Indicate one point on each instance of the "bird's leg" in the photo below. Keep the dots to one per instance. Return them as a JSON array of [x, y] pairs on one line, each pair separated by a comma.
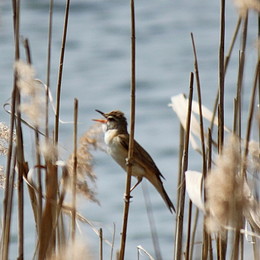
[[139, 179]]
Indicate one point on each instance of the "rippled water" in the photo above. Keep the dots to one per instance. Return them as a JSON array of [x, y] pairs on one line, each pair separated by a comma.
[[97, 72]]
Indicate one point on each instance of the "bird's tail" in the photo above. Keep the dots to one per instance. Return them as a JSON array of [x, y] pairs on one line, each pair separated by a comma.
[[159, 187]]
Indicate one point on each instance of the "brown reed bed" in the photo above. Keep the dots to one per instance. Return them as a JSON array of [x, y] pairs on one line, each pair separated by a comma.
[[225, 194]]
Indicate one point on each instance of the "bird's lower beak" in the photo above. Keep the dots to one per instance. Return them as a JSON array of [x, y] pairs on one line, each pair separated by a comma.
[[103, 121]]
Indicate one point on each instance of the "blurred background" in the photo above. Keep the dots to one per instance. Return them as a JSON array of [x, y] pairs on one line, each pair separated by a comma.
[[97, 72]]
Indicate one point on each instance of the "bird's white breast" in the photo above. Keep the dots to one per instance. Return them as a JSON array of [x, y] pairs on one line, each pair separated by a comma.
[[119, 153]]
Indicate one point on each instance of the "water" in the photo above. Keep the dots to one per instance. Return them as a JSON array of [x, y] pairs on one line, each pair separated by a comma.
[[97, 72]]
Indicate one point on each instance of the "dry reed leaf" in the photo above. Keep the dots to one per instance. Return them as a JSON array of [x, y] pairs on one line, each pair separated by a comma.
[[193, 181], [141, 250], [180, 107]]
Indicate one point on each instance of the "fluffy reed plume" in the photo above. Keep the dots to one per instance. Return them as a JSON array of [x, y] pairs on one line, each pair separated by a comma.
[[49, 150], [31, 91], [76, 251], [4, 138], [225, 189], [92, 138], [245, 5]]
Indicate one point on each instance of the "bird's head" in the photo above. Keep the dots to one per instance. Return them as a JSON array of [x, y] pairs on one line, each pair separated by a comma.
[[114, 120]]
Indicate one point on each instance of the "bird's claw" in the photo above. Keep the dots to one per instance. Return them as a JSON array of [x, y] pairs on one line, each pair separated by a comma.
[[127, 198], [128, 162]]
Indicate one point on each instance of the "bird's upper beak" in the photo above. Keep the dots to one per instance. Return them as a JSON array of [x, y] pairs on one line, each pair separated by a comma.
[[103, 121]]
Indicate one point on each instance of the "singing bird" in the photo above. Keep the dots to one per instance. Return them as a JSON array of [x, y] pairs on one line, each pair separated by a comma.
[[117, 141]]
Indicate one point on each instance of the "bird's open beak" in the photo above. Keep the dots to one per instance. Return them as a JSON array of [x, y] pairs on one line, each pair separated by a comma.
[[103, 121]]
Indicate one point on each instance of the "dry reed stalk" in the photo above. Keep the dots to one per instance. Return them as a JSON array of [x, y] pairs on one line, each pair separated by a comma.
[[101, 244], [21, 165], [60, 73], [130, 157], [210, 250], [74, 184], [221, 89], [49, 218], [8, 189], [181, 203], [221, 76], [48, 74], [149, 211], [37, 151], [241, 74], [227, 59], [187, 251], [5, 239], [250, 117], [204, 159]]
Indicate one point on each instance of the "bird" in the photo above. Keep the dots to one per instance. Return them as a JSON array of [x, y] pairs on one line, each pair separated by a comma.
[[116, 138]]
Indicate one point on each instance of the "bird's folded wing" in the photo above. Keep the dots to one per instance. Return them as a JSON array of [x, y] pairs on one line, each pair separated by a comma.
[[141, 157]]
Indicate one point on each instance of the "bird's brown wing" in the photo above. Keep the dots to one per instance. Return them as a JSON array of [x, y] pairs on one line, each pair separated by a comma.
[[152, 173], [142, 157]]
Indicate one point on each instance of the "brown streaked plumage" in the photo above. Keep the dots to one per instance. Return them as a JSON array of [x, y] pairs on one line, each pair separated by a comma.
[[117, 140]]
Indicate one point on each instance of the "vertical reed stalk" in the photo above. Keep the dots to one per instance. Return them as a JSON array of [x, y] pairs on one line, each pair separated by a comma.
[[210, 250], [8, 213], [227, 59], [75, 162], [60, 73], [131, 138], [221, 76], [187, 251], [149, 211], [50, 214], [196, 70], [250, 116], [38, 157], [19, 140], [241, 73], [101, 244], [48, 71], [193, 234], [181, 204], [204, 159]]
